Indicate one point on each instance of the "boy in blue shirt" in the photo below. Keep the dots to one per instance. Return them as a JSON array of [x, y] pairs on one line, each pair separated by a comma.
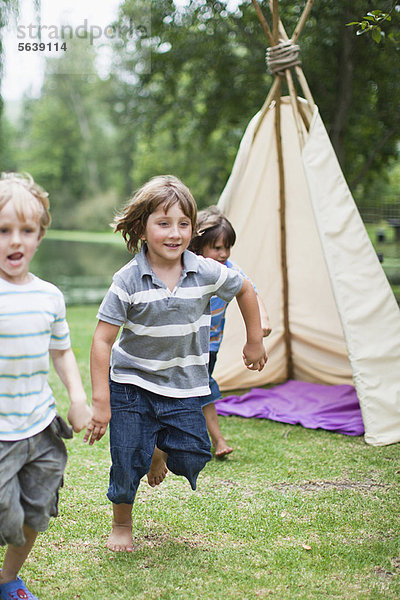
[[214, 239]]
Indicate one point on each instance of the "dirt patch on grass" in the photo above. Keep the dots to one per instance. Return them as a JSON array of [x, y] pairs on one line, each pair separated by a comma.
[[367, 485], [154, 540], [383, 574], [396, 564], [160, 537]]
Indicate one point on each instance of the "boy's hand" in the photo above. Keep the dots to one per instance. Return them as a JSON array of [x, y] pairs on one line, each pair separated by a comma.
[[266, 327], [254, 356], [98, 425], [79, 415]]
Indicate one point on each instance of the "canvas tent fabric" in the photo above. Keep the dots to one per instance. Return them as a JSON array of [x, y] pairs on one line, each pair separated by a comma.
[[344, 321]]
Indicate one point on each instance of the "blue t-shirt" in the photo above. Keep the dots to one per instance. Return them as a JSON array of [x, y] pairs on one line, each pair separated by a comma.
[[218, 308]]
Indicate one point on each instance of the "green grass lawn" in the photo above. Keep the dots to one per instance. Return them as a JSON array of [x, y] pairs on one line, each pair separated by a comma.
[[291, 514]]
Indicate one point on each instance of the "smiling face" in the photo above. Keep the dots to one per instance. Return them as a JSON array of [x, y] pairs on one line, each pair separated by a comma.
[[167, 235], [218, 251], [18, 242]]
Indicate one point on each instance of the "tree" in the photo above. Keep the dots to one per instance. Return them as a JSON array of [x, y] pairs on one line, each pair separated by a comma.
[[208, 77], [8, 8], [187, 115], [8, 135], [376, 22], [67, 140]]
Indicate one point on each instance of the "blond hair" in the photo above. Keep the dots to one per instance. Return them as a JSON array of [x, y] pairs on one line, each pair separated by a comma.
[[165, 190], [24, 193]]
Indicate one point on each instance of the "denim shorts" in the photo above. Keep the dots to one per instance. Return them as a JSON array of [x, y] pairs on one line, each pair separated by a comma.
[[31, 474], [214, 388], [140, 419]]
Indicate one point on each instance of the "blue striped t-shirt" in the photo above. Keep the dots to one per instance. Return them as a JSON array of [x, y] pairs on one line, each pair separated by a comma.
[[32, 321], [218, 310]]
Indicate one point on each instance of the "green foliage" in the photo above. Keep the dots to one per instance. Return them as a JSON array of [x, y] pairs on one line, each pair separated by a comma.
[[66, 135], [208, 77], [182, 92], [372, 23], [7, 145], [384, 190], [191, 109], [352, 82], [7, 8]]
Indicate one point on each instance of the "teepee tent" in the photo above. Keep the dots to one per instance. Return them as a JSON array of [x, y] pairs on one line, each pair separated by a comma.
[[302, 241]]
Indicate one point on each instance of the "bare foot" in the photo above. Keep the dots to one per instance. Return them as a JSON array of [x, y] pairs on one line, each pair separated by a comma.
[[222, 449], [120, 538], [158, 469]]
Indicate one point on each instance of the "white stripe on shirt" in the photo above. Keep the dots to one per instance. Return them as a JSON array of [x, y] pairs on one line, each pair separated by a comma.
[[153, 295], [170, 392], [175, 330], [160, 365]]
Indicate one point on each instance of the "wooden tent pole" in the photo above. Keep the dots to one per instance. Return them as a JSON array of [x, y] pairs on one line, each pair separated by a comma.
[[276, 92], [304, 113], [263, 22], [275, 22], [265, 106], [304, 87], [298, 70], [302, 21], [295, 108], [300, 25], [282, 32], [282, 213]]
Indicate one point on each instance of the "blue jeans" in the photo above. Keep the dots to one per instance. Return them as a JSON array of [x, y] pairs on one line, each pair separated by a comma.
[[140, 419], [214, 388]]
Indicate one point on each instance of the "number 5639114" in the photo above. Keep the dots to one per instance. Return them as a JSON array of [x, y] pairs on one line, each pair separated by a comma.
[[41, 46]]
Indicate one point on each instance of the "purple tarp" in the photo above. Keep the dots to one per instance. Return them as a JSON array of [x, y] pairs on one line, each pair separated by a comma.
[[332, 407]]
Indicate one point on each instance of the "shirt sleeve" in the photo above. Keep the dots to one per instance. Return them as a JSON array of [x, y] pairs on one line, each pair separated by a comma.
[[229, 283], [115, 305]]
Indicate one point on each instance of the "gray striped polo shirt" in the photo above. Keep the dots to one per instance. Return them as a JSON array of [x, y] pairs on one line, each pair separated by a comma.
[[164, 342]]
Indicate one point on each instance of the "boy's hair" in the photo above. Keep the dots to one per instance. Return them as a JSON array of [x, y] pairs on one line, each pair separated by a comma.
[[21, 189], [211, 225], [163, 189]]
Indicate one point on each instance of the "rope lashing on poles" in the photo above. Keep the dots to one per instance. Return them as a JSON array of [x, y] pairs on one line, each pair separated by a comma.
[[283, 56]]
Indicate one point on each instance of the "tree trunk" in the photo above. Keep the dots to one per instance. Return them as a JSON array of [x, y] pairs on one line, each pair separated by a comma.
[[344, 86], [84, 126]]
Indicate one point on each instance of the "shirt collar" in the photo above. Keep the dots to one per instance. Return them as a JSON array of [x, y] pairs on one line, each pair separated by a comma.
[[142, 262], [190, 262]]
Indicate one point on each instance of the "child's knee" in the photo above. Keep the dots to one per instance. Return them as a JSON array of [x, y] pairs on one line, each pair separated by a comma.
[[123, 485]]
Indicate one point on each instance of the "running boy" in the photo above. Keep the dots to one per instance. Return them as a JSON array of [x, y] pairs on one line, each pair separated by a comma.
[[32, 326], [159, 364], [214, 239]]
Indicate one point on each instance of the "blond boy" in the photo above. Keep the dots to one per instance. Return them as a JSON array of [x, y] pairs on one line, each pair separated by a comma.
[[32, 327]]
